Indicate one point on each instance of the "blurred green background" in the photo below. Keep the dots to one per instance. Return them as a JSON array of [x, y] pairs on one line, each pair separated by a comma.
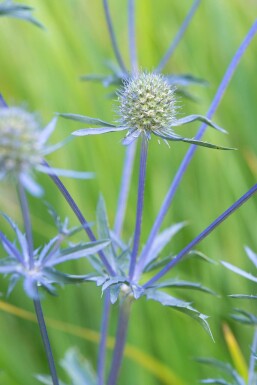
[[41, 68]]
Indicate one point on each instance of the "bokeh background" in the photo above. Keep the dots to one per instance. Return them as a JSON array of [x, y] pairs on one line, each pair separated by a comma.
[[41, 69]]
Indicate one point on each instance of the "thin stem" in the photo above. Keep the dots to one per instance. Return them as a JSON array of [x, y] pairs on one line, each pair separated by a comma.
[[113, 37], [79, 215], [104, 332], [251, 373], [132, 36], [178, 37], [140, 204], [124, 189], [46, 342], [2, 102], [203, 235], [120, 341], [182, 169], [37, 304], [27, 223]]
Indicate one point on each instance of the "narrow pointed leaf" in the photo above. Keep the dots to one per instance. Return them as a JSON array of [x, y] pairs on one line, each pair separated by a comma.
[[218, 381], [97, 131], [55, 276], [201, 118], [161, 241], [47, 380], [30, 185], [251, 255], [131, 137], [10, 248], [223, 366], [244, 317], [65, 173], [177, 138], [182, 306], [87, 120], [243, 296], [21, 237], [114, 292], [47, 131], [78, 369], [185, 80], [239, 271], [76, 252], [184, 285]]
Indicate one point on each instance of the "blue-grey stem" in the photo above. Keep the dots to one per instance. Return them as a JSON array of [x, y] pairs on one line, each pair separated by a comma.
[[103, 339], [113, 37], [182, 169], [125, 186], [79, 215], [178, 37], [120, 341], [37, 304], [251, 372], [27, 223], [46, 342], [2, 102], [203, 235], [132, 36], [140, 204]]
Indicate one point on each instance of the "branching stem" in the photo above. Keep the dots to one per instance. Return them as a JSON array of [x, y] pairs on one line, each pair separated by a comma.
[[178, 37], [120, 341], [203, 235], [103, 339], [113, 37], [79, 215]]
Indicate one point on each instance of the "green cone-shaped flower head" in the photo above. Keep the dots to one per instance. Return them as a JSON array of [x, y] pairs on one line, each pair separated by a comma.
[[19, 144], [147, 103]]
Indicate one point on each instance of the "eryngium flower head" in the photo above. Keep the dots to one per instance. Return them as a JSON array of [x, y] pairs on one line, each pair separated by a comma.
[[23, 146], [20, 148], [147, 103]]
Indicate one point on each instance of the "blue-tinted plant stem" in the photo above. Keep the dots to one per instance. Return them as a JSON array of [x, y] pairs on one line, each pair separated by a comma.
[[103, 339], [120, 341], [27, 223], [182, 169], [46, 342], [251, 373], [2, 102], [140, 204], [113, 37], [79, 215], [178, 37], [124, 189], [37, 304], [203, 235], [132, 36]]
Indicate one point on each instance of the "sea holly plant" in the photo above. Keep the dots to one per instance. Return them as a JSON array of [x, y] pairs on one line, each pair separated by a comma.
[[123, 269]]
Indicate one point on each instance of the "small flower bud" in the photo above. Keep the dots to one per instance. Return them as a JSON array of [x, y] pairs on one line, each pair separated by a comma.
[[147, 103]]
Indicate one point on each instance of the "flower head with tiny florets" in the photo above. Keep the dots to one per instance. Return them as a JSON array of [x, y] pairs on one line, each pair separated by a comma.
[[147, 103], [20, 148], [23, 146]]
